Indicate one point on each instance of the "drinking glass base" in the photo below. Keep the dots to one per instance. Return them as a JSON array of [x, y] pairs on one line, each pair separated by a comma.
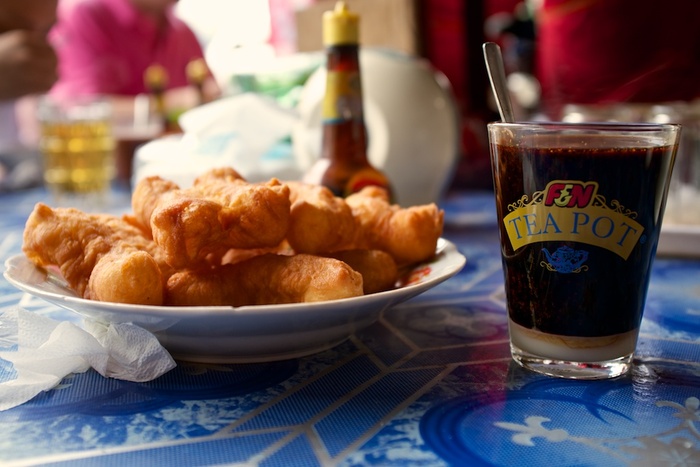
[[572, 370]]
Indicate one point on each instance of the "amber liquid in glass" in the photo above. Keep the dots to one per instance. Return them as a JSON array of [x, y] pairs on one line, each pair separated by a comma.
[[78, 156]]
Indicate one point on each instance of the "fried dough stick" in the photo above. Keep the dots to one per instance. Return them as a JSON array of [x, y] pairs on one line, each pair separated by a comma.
[[101, 257], [320, 222], [268, 279], [197, 226], [125, 228], [146, 197], [409, 235], [220, 183], [378, 269]]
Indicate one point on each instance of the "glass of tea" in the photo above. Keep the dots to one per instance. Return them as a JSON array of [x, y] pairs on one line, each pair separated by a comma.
[[77, 146], [580, 207]]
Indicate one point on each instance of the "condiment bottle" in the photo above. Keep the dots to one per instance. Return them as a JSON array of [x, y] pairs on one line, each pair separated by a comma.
[[197, 72], [156, 80], [343, 166]]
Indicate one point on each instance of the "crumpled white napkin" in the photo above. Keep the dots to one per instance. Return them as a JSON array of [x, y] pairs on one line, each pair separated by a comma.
[[244, 131], [49, 350]]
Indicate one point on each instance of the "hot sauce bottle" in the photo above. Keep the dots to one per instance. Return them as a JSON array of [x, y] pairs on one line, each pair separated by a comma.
[[343, 166]]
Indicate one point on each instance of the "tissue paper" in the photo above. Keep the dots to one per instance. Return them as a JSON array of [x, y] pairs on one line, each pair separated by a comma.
[[246, 132], [48, 350]]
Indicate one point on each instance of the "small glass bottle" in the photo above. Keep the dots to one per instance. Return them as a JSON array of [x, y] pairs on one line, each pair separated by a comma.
[[197, 72], [343, 166], [156, 79]]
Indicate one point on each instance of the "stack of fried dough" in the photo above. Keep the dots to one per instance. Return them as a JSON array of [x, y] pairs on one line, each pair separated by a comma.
[[226, 241]]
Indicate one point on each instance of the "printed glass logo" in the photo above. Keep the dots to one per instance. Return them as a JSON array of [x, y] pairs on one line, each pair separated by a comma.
[[571, 210], [570, 195]]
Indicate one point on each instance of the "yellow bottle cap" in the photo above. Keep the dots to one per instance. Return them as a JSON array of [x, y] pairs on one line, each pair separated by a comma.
[[340, 26]]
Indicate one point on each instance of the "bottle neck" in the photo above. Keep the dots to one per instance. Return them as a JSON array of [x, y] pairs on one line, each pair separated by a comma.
[[343, 98], [343, 56], [344, 133]]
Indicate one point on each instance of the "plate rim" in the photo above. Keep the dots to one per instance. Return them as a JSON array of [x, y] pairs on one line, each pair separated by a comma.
[[174, 327], [163, 311]]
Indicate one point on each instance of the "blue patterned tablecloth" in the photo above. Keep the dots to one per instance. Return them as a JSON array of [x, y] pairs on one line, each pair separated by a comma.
[[430, 384]]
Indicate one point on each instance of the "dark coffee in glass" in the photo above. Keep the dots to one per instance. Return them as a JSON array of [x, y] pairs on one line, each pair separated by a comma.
[[581, 207]]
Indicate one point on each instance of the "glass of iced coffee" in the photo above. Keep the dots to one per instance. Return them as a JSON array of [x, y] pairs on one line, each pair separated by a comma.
[[580, 207]]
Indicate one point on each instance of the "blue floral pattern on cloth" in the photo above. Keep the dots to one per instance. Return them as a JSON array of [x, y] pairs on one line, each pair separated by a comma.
[[545, 421], [430, 384]]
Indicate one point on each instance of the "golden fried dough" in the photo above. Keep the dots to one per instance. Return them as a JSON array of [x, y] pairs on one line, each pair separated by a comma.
[[409, 235], [197, 226], [146, 196], [217, 178], [378, 269], [101, 257], [126, 277], [237, 255], [225, 241], [267, 279], [320, 222]]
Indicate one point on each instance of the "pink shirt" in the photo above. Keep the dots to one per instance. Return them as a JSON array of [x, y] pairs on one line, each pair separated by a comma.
[[105, 46]]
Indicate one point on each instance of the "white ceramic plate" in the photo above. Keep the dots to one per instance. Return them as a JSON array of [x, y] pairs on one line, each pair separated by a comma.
[[244, 334]]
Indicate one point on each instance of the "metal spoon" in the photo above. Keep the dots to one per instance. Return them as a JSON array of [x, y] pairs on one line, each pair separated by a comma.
[[497, 76]]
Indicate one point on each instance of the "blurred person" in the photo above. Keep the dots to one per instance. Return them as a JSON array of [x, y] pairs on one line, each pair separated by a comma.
[[613, 51], [28, 66], [106, 46], [27, 61]]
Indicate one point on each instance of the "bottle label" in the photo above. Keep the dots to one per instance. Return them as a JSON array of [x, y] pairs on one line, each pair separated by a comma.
[[572, 210], [364, 178], [343, 98]]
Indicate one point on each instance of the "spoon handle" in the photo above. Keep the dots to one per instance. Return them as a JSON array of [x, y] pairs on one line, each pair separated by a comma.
[[497, 76]]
